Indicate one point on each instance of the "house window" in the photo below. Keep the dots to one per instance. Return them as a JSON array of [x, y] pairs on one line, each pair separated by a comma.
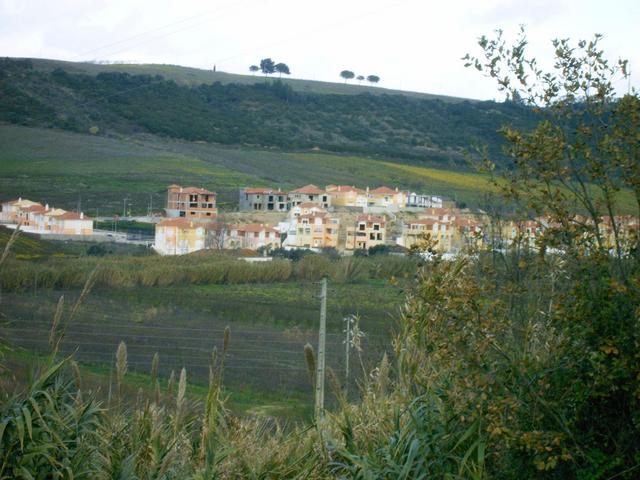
[[271, 198], [208, 214], [372, 236], [311, 197], [324, 198], [193, 213], [182, 214], [376, 226], [379, 236], [269, 206], [361, 226]]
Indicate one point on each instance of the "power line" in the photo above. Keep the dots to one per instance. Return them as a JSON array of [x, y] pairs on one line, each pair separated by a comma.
[[200, 15], [167, 356], [118, 337], [326, 27], [78, 323], [46, 328]]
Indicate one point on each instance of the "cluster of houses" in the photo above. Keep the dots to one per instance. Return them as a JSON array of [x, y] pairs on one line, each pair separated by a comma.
[[310, 221], [377, 200], [34, 217]]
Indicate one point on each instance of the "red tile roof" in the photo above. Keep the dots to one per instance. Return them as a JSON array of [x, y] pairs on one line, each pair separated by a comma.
[[309, 189], [34, 208], [384, 191], [71, 216], [344, 188], [439, 211], [201, 191], [371, 219], [423, 221], [255, 227], [256, 190]]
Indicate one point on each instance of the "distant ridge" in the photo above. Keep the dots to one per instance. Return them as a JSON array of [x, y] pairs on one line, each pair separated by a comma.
[[243, 110], [197, 76]]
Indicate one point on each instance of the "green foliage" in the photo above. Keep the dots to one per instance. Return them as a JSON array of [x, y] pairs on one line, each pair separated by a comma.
[[282, 68], [49, 430], [201, 268], [267, 66], [347, 75], [261, 114]]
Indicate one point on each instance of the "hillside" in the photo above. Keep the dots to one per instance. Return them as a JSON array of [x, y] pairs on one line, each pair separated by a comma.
[[63, 168], [196, 76], [266, 113]]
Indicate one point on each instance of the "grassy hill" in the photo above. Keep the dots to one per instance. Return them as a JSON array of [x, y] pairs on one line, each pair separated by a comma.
[[196, 76], [251, 111], [62, 168]]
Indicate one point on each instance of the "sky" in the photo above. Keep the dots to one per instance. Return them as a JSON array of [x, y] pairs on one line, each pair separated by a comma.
[[412, 45]]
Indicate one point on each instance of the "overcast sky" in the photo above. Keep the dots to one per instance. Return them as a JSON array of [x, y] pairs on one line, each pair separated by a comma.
[[410, 44]]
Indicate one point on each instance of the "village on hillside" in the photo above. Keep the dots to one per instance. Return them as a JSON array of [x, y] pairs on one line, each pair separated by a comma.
[[339, 217]]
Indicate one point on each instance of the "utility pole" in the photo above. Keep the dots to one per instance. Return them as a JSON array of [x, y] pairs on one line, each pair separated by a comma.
[[322, 335], [124, 207], [346, 358]]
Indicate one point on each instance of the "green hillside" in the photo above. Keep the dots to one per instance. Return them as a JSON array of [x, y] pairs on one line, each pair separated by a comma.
[[266, 113], [62, 167], [197, 76]]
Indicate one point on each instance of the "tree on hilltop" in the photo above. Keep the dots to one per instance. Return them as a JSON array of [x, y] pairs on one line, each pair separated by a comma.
[[254, 68], [360, 78], [347, 75], [373, 79], [267, 66], [282, 68]]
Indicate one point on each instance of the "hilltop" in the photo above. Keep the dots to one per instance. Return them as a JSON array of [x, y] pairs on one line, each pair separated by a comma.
[[197, 105], [196, 76]]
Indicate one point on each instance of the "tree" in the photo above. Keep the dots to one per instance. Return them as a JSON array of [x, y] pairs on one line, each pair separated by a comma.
[[360, 78], [567, 172], [217, 234], [347, 75], [267, 66], [373, 79], [254, 68], [282, 68]]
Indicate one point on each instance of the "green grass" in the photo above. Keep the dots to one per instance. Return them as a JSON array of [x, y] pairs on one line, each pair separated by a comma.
[[196, 76], [292, 406], [29, 247], [62, 168]]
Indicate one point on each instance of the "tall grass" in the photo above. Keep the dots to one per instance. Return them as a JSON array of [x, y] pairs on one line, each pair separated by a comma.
[[116, 272]]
